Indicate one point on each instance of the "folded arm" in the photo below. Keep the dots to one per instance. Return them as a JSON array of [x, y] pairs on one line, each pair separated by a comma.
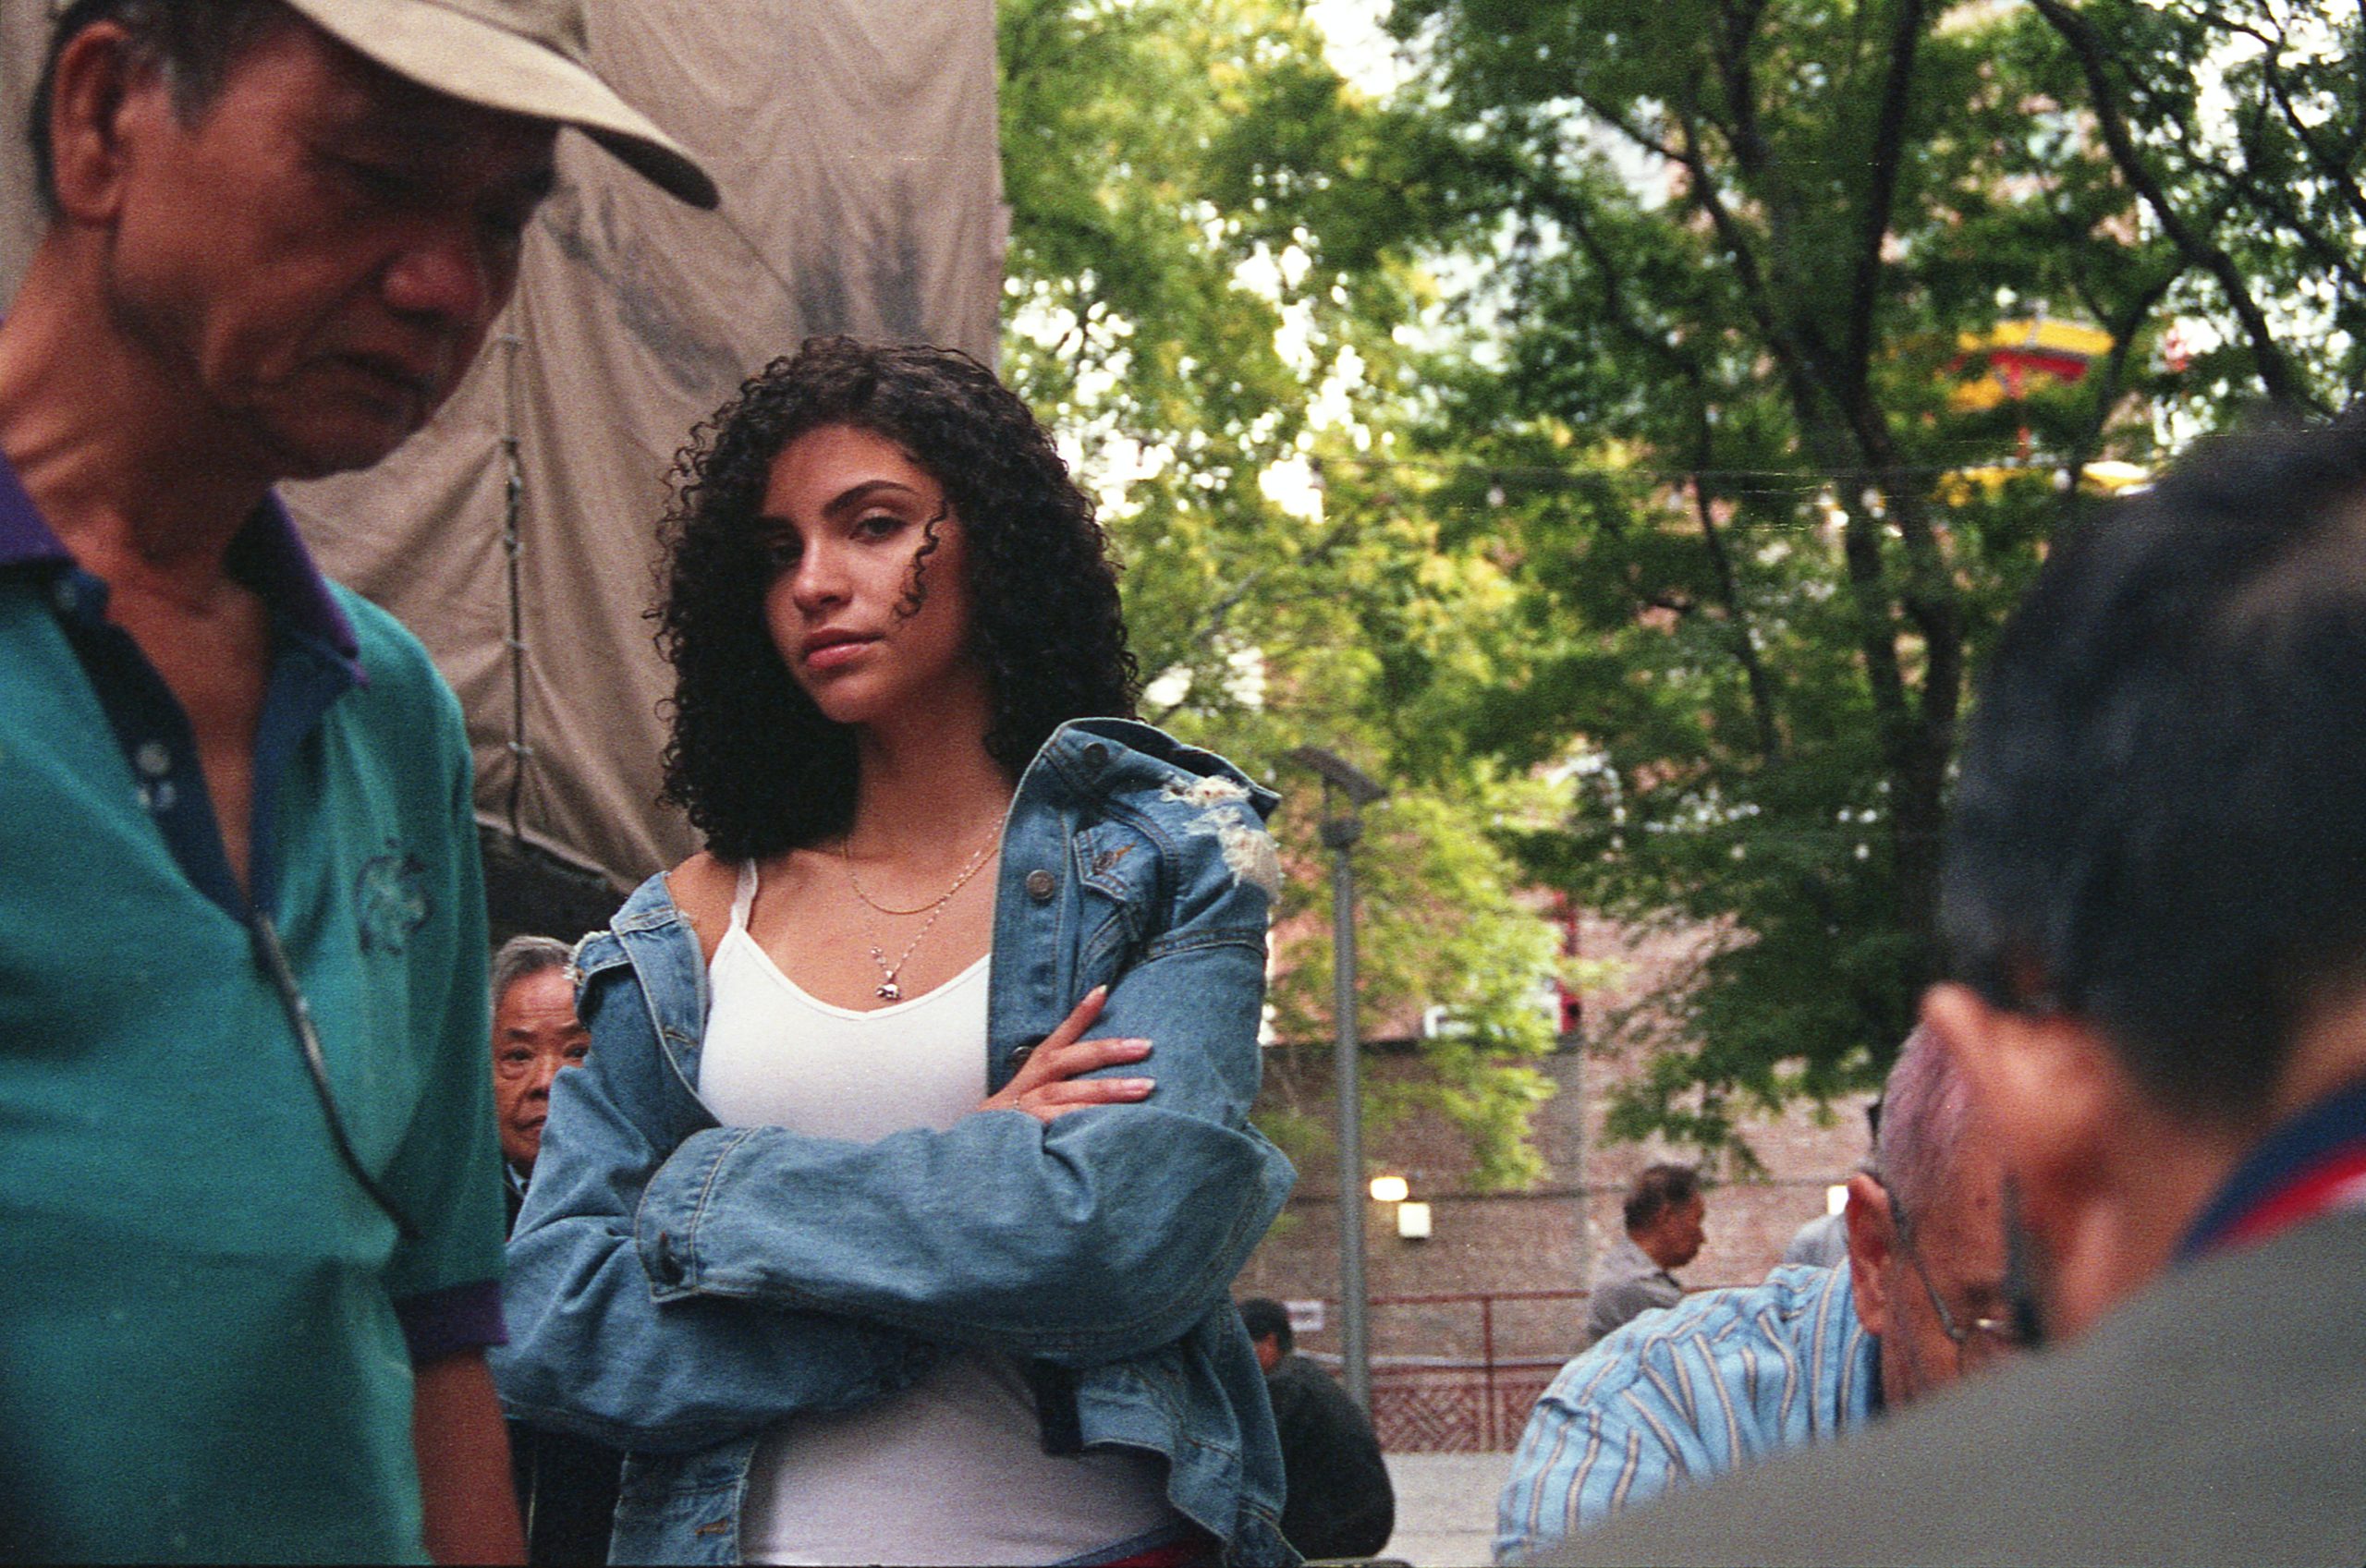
[[1100, 1235], [592, 1349]]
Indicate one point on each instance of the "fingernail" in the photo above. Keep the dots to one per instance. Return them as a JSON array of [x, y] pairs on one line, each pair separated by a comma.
[[1138, 1086], [1096, 993], [1141, 1045]]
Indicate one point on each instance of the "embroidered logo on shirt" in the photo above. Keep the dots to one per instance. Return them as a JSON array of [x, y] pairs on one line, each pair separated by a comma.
[[390, 899]]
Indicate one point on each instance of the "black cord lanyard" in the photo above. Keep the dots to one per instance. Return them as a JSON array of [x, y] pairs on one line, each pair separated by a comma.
[[273, 959]]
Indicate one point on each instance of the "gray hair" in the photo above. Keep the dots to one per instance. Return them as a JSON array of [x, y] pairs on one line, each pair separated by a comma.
[[523, 955], [1925, 1113], [193, 44]]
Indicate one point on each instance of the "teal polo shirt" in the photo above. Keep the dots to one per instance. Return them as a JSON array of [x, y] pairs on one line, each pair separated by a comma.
[[207, 1326]]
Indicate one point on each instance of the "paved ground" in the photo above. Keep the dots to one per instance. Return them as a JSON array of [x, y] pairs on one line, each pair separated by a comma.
[[1446, 1507]]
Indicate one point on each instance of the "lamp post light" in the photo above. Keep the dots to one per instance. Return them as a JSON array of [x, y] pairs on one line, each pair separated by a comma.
[[1341, 828]]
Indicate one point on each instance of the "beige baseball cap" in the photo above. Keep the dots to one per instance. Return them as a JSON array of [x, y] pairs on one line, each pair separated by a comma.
[[525, 56]]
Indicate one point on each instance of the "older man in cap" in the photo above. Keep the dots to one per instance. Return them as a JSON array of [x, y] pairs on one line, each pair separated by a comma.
[[252, 1174]]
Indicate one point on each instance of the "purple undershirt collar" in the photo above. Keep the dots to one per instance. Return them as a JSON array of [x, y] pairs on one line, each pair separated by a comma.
[[268, 555]]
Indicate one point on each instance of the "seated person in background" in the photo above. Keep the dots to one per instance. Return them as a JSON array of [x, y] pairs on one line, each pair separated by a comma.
[[1337, 1498], [1663, 1216], [2152, 911], [566, 1484], [1729, 1376]]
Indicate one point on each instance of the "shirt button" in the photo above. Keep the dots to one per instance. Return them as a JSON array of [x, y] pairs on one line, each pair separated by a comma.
[[153, 758], [1040, 885]]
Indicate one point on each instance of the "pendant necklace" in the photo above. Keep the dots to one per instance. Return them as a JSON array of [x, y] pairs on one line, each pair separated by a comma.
[[888, 988]]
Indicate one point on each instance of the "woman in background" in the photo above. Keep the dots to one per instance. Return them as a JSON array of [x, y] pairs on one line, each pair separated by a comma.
[[845, 1229]]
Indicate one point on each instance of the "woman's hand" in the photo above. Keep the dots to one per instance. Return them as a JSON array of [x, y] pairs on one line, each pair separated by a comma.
[[1049, 1085]]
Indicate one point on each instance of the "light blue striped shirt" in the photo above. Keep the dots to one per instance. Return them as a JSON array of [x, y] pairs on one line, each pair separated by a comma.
[[1689, 1392]]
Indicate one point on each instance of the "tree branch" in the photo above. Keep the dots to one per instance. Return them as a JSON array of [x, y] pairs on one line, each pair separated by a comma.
[[1889, 152], [1799, 357], [1739, 20], [1753, 668], [2276, 372]]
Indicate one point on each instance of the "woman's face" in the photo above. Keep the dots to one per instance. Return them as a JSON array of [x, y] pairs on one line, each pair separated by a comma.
[[845, 516]]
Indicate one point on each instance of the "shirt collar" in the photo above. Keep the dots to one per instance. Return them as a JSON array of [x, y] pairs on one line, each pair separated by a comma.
[[1629, 1259], [268, 555], [2312, 1163], [24, 536]]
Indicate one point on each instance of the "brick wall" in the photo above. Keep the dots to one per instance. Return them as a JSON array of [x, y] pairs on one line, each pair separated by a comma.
[[1542, 1239]]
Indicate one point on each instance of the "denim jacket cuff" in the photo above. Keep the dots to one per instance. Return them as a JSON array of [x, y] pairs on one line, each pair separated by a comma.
[[665, 1228]]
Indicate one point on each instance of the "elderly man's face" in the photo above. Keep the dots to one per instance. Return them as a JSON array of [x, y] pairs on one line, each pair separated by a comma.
[[314, 262], [1945, 1273], [535, 1033]]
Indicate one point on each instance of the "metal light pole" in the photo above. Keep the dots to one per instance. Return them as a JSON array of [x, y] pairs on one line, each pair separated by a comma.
[[1341, 829]]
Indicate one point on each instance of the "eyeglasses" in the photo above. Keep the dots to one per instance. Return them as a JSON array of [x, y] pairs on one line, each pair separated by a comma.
[[1975, 1339]]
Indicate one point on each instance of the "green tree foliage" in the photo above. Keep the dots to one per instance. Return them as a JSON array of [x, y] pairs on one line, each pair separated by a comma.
[[1194, 312], [2240, 125], [1707, 409], [1665, 522]]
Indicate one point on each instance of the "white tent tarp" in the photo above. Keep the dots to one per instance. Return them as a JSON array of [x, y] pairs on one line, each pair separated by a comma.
[[856, 145]]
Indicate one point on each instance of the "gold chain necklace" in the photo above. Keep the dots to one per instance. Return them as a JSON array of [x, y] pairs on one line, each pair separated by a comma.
[[968, 869], [889, 988]]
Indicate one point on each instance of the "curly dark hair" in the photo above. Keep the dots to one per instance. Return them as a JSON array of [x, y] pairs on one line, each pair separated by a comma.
[[753, 760]]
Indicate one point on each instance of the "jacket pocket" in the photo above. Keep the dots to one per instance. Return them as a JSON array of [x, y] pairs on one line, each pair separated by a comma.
[[1116, 875], [682, 1508]]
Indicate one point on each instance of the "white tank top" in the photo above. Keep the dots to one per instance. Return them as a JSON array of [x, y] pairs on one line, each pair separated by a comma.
[[950, 1470]]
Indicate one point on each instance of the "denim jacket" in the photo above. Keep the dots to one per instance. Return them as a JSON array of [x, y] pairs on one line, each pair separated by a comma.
[[676, 1286]]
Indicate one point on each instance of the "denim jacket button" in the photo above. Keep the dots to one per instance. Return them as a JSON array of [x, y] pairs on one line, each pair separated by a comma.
[[1096, 756], [1020, 1053], [1040, 885]]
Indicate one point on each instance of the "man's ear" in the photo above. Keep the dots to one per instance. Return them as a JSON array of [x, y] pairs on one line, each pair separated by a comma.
[[98, 89], [2049, 1089], [1872, 1237]]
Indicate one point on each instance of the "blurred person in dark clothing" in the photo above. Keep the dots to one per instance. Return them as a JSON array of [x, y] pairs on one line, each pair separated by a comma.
[[566, 1484], [1340, 1502]]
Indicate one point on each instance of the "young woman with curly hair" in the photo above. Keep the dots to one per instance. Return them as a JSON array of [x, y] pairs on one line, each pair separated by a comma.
[[845, 1229]]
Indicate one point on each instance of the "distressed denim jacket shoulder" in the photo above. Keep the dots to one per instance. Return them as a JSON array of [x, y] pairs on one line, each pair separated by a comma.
[[676, 1286]]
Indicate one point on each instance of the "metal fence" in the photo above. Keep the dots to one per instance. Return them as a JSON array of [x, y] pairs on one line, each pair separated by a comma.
[[1456, 1409], [1475, 1398]]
